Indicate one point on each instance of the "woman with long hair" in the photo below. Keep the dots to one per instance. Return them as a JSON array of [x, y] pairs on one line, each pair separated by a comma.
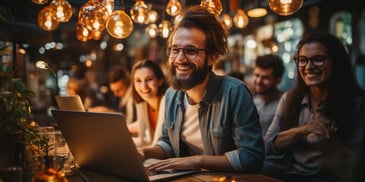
[[314, 123], [148, 89]]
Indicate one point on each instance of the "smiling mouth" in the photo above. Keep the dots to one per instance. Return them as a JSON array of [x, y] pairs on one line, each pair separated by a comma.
[[312, 74], [183, 67]]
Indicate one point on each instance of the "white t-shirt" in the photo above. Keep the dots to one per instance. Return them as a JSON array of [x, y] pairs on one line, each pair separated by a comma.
[[191, 134]]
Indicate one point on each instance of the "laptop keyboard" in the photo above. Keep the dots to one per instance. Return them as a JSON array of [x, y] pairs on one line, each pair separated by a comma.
[[152, 172]]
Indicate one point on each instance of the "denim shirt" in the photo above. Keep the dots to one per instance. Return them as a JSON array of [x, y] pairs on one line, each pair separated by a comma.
[[228, 120]]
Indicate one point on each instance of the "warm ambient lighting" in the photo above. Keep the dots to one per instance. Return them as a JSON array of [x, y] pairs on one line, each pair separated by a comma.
[[62, 10], [255, 9], [165, 29], [46, 19], [82, 33], [285, 7], [44, 66], [139, 12], [40, 1], [93, 15], [213, 6], [240, 20], [152, 30], [256, 12], [152, 16], [119, 25], [173, 7], [227, 21]]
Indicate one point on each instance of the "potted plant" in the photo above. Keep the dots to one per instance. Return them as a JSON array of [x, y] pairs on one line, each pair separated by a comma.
[[15, 117]]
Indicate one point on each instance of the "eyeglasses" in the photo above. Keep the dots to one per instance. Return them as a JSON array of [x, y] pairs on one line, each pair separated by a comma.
[[317, 60], [190, 52]]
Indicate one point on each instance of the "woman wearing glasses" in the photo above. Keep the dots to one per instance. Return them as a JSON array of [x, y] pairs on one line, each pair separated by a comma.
[[314, 122], [148, 90]]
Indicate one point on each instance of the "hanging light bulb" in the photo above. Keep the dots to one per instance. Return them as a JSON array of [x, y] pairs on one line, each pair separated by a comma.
[[240, 20], [62, 9], [285, 7], [109, 5], [173, 7], [93, 15], [152, 30], [96, 35], [165, 29], [257, 12], [119, 25], [46, 19], [255, 9], [226, 20], [139, 12], [152, 16], [213, 6], [40, 1], [82, 33]]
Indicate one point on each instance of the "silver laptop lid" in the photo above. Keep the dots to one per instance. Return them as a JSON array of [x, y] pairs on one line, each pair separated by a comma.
[[101, 142]]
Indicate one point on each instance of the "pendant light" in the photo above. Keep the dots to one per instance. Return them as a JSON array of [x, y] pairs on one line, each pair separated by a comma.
[[173, 7], [139, 12], [152, 30], [46, 19], [240, 20], [40, 1], [285, 7], [119, 25], [62, 9], [93, 15], [213, 6], [256, 10], [225, 18]]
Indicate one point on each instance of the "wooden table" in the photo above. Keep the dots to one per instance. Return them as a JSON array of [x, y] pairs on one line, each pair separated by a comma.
[[204, 176], [225, 177]]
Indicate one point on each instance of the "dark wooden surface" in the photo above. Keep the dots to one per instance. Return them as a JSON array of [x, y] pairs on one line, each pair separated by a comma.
[[196, 177]]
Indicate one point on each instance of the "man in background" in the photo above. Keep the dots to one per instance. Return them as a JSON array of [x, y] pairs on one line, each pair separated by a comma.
[[267, 75], [120, 85]]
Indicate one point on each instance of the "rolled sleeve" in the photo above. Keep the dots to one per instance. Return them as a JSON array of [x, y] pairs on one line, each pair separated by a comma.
[[166, 147], [234, 159]]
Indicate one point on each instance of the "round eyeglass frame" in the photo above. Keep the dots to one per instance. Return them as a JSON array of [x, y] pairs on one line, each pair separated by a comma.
[[317, 60], [184, 50]]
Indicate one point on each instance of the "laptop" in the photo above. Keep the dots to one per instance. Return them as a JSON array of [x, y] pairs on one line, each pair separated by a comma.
[[71, 102], [101, 142]]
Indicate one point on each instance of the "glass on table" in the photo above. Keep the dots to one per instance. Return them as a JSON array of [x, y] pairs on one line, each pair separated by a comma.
[[64, 160]]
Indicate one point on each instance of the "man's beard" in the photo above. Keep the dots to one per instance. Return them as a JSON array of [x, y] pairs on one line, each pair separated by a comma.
[[196, 77], [265, 91]]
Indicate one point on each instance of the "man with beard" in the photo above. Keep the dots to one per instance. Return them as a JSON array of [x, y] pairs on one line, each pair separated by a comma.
[[210, 121], [267, 76]]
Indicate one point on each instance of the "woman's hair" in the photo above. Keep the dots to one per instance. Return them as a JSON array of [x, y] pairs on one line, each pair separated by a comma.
[[155, 67], [342, 85], [202, 19]]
